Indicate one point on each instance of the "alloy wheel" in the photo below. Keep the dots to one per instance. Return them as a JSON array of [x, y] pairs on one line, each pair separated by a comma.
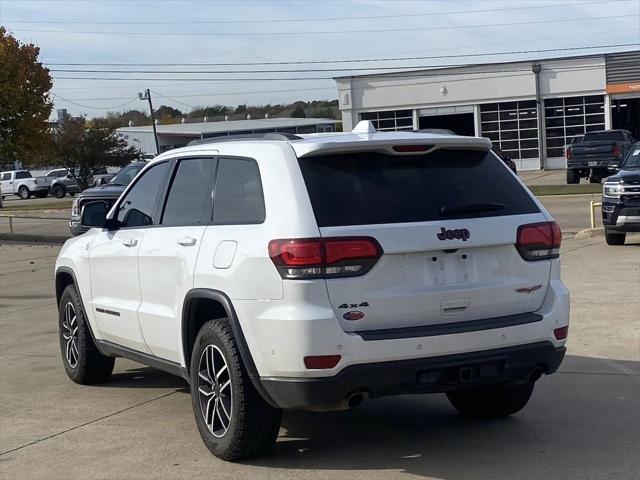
[[70, 334], [215, 391]]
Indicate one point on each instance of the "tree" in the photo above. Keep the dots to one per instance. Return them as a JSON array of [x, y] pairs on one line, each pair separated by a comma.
[[83, 151], [113, 120], [166, 112], [25, 105], [298, 112], [210, 111]]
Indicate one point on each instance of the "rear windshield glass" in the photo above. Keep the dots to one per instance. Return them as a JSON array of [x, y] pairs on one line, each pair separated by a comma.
[[375, 188], [604, 136]]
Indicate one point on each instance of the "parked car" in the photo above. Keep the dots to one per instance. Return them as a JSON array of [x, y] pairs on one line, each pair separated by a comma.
[[598, 155], [107, 193], [621, 200], [66, 183], [505, 158], [315, 272], [22, 184]]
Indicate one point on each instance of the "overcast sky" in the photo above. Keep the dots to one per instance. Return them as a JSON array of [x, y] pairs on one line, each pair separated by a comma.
[[182, 32]]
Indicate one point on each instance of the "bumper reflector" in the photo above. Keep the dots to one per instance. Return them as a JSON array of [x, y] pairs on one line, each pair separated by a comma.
[[321, 361], [561, 333]]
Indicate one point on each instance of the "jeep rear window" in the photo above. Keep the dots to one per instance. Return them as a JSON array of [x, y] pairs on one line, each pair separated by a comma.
[[375, 188], [604, 137]]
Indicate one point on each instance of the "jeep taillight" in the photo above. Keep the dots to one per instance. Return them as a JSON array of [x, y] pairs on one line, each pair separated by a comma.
[[568, 153], [306, 258], [539, 241]]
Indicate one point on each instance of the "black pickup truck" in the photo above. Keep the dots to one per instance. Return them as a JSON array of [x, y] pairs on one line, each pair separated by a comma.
[[598, 155], [621, 200]]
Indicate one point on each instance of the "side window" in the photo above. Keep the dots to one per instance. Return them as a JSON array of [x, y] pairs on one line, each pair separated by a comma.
[[189, 199], [20, 175], [238, 193], [136, 208], [6, 176]]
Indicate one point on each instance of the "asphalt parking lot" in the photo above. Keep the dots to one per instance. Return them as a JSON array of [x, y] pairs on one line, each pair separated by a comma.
[[581, 423]]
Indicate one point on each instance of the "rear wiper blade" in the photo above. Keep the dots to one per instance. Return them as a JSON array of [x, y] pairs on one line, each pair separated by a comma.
[[470, 207]]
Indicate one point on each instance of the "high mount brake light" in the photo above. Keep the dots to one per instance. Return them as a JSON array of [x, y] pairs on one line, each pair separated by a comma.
[[411, 148], [306, 258], [539, 241]]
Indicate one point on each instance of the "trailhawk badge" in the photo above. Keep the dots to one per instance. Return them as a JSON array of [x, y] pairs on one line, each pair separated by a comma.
[[459, 233]]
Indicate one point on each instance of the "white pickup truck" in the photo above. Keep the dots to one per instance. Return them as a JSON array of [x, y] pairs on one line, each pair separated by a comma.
[[22, 184]]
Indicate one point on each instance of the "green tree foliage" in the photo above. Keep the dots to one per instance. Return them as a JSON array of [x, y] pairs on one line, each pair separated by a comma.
[[84, 150], [114, 120], [298, 112], [25, 105], [210, 111], [165, 112]]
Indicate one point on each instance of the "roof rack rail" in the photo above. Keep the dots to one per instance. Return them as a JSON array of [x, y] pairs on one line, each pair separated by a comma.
[[247, 136]]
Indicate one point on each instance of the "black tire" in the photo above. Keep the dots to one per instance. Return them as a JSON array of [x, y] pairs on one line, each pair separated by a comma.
[[85, 364], [595, 178], [252, 425], [492, 401], [614, 238], [58, 191], [23, 192], [71, 194], [43, 194], [573, 176]]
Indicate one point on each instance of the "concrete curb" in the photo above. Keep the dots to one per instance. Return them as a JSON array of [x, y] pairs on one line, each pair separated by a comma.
[[589, 233], [25, 237]]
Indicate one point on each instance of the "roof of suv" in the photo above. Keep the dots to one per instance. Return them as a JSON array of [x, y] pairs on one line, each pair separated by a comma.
[[319, 143]]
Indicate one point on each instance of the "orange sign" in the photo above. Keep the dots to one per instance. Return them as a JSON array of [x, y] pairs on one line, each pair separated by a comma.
[[624, 88]]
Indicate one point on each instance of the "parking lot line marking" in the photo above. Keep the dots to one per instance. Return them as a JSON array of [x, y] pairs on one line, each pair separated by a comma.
[[57, 434]]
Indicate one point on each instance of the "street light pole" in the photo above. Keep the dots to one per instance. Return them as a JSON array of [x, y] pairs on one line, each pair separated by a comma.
[[147, 96]]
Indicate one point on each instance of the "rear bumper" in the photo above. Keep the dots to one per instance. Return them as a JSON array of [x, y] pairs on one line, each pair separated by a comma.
[[612, 164], [423, 375]]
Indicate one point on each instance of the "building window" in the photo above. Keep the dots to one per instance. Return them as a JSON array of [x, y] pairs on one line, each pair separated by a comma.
[[512, 126], [570, 117], [393, 120]]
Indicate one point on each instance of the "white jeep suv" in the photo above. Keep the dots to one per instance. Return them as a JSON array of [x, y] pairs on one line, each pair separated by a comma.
[[286, 272]]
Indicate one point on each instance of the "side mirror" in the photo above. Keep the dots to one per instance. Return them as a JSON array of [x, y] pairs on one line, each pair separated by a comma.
[[94, 214]]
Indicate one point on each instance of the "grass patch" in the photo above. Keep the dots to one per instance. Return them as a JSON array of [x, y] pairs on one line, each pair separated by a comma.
[[21, 207], [586, 188]]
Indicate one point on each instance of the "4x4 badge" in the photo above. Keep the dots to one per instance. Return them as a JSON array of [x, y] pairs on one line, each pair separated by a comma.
[[459, 233]]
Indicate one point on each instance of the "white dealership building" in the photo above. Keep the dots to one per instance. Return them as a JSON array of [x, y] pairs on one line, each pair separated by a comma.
[[530, 109]]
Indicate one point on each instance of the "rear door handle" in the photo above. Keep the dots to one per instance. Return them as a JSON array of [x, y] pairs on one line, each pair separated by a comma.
[[187, 241], [130, 242]]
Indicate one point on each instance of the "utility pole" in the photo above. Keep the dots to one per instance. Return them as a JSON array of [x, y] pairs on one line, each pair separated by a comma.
[[535, 68], [147, 96]]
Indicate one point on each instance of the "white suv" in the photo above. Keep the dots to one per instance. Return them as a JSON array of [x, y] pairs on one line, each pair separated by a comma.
[[286, 272]]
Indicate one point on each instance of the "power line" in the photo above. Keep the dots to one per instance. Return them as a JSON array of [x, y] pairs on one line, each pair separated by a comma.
[[355, 60], [326, 32], [401, 74], [94, 107], [214, 94], [301, 20], [555, 37], [300, 70]]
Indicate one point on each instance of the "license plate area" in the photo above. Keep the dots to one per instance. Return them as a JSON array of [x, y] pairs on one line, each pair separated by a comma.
[[451, 268], [592, 164]]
